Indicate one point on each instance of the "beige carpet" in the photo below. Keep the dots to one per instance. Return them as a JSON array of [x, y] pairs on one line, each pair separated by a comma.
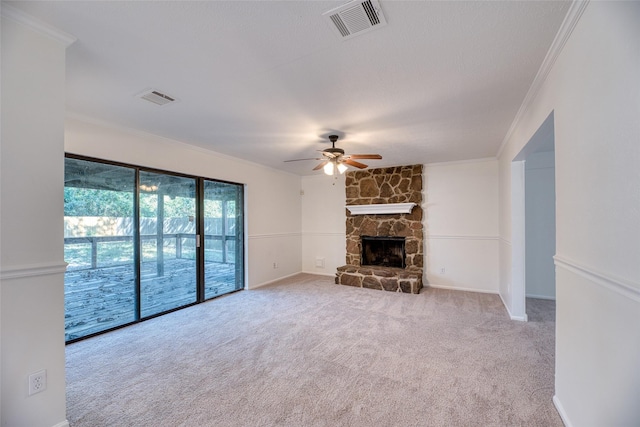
[[306, 352]]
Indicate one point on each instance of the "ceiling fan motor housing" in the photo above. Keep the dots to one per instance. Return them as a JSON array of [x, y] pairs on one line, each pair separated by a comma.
[[334, 157], [334, 151]]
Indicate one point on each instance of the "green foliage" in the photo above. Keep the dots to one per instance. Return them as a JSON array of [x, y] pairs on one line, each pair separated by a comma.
[[176, 207], [92, 202]]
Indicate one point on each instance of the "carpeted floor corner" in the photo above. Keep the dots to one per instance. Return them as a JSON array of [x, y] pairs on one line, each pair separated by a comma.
[[306, 352]]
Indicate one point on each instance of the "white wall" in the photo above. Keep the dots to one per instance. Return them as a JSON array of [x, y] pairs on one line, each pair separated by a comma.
[[460, 202], [540, 225], [594, 92], [31, 226], [323, 223], [272, 197]]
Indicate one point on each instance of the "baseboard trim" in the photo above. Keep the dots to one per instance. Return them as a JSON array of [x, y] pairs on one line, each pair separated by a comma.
[[456, 288], [272, 281], [43, 269], [511, 316], [64, 423], [561, 411], [625, 288], [541, 297], [319, 274]]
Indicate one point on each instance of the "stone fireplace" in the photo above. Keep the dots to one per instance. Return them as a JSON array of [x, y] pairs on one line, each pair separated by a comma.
[[384, 229]]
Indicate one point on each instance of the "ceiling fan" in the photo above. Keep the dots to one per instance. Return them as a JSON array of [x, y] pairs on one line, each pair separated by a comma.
[[334, 159]]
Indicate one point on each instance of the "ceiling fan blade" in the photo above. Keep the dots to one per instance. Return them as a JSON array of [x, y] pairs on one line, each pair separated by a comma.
[[327, 154], [298, 160], [354, 163], [321, 165], [366, 156]]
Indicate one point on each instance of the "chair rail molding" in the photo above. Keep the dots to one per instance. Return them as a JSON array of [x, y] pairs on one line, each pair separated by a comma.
[[273, 235], [620, 286], [31, 270], [459, 237]]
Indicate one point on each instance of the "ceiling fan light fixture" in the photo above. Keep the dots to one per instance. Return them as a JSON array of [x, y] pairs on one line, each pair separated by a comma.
[[334, 160], [328, 168]]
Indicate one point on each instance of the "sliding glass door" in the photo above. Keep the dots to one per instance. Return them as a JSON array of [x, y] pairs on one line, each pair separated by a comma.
[[144, 242], [223, 225], [100, 281], [167, 241]]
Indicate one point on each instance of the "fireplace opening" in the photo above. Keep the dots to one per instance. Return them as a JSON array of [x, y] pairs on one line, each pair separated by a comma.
[[383, 251]]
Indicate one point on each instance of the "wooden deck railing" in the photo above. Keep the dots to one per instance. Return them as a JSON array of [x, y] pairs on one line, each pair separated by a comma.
[[94, 240]]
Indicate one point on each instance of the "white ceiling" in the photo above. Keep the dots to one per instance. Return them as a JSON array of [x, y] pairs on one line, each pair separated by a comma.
[[267, 81]]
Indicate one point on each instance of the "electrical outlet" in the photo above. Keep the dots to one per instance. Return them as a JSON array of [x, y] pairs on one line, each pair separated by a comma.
[[275, 265], [441, 270], [37, 382], [320, 262]]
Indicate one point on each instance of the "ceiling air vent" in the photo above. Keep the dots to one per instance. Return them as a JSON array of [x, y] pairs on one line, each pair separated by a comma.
[[355, 18], [156, 97]]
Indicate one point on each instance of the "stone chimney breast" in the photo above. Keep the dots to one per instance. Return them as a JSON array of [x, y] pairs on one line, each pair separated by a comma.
[[400, 184]]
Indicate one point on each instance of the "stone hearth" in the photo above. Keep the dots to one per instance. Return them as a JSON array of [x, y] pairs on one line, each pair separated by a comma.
[[401, 184], [382, 278]]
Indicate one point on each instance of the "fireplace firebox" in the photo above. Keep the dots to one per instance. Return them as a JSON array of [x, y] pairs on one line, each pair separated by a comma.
[[383, 251]]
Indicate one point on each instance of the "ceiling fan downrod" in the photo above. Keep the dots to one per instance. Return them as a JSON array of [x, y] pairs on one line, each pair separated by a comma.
[[335, 152]]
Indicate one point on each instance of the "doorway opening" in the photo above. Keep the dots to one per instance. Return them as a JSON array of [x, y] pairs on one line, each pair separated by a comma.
[[533, 213]]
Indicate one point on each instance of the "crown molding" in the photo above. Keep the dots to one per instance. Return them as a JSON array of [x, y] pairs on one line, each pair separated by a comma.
[[17, 15], [566, 28], [187, 145], [460, 162]]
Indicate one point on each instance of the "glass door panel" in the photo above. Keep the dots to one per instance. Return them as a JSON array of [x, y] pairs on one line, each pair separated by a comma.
[[99, 284], [168, 277], [223, 238], [138, 245]]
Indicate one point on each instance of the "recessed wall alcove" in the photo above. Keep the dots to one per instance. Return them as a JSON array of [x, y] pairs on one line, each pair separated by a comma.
[[383, 186]]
